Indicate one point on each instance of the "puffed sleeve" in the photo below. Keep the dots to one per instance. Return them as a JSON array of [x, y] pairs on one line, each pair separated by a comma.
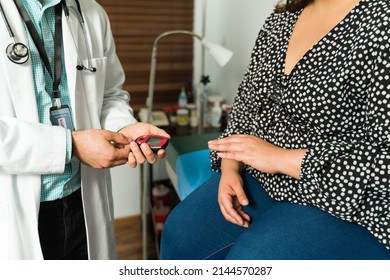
[[351, 179]]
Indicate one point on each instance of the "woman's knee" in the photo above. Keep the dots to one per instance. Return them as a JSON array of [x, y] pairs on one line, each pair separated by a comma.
[[171, 235], [185, 221]]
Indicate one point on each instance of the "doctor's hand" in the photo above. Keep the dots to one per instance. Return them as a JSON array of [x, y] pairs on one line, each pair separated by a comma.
[[143, 153], [100, 148]]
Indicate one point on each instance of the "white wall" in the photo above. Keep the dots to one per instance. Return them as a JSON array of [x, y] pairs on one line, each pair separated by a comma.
[[126, 191], [126, 184], [231, 23]]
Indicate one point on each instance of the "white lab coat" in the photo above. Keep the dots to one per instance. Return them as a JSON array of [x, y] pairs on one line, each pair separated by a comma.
[[29, 149]]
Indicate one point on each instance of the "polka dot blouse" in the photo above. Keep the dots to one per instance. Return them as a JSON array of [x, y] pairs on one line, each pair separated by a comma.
[[336, 104]]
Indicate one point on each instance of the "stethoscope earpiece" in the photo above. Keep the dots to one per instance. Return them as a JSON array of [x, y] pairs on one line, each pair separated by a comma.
[[17, 52]]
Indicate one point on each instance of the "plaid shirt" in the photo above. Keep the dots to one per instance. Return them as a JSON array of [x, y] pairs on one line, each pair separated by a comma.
[[54, 186]]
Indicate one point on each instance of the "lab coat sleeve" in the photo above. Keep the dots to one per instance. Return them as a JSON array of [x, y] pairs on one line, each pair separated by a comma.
[[31, 148]]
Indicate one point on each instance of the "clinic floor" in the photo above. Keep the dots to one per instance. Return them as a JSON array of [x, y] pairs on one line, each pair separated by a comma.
[[129, 239]]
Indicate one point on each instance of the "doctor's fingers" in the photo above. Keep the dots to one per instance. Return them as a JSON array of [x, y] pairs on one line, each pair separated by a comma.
[[143, 153], [161, 153], [151, 157], [114, 156], [121, 157], [118, 139], [158, 131], [132, 161], [119, 153]]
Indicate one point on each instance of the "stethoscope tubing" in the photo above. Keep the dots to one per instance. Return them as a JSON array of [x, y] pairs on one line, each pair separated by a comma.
[[14, 48], [80, 18], [16, 52], [7, 25]]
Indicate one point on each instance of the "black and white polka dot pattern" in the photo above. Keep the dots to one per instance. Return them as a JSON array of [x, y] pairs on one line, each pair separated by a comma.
[[335, 103]]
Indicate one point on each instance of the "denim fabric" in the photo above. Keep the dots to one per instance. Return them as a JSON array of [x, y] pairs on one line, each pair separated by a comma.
[[62, 228], [196, 229]]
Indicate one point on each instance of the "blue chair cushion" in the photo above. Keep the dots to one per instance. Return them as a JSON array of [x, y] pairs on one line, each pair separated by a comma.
[[192, 170]]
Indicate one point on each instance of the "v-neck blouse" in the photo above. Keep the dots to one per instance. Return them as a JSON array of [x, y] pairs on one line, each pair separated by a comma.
[[335, 103]]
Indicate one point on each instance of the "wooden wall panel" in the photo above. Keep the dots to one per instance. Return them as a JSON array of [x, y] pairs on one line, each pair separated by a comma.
[[135, 25]]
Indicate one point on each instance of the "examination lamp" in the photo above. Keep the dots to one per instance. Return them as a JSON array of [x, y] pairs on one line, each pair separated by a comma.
[[220, 54]]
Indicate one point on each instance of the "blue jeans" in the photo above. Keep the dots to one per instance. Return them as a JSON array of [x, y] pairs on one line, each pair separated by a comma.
[[196, 229]]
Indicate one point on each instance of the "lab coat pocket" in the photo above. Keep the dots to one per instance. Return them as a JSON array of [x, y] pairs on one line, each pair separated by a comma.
[[90, 93], [94, 82], [4, 230]]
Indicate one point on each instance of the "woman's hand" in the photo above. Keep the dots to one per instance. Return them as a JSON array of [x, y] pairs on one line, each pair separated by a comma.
[[259, 154], [142, 153], [231, 195], [248, 149]]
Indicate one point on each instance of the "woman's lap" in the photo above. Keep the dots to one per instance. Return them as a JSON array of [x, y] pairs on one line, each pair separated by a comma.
[[294, 232], [196, 229]]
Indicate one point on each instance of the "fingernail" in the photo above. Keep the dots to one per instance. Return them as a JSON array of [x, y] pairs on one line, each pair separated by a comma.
[[244, 202], [133, 144]]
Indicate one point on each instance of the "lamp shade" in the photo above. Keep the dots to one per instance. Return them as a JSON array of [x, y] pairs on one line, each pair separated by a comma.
[[220, 54]]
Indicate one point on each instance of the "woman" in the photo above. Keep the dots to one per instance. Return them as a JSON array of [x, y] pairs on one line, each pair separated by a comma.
[[305, 159]]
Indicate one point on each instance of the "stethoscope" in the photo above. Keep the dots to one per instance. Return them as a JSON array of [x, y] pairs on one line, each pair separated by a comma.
[[18, 52]]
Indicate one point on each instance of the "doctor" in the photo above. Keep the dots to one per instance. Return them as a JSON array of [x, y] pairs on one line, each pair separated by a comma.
[[64, 119]]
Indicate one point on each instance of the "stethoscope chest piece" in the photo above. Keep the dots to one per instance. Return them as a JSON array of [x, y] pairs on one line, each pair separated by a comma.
[[17, 53]]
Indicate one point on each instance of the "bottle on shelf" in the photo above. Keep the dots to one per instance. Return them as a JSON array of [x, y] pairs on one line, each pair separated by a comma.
[[183, 99], [215, 111], [193, 114], [182, 117], [216, 114]]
